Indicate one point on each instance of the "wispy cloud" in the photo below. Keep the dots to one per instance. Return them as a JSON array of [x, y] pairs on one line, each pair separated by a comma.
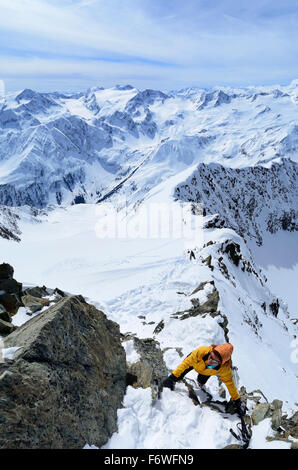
[[147, 42]]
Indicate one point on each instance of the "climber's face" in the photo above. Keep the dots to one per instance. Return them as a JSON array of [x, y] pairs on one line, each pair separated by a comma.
[[213, 360]]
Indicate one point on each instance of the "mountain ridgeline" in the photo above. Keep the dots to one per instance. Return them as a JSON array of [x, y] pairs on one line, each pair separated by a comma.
[[60, 149]]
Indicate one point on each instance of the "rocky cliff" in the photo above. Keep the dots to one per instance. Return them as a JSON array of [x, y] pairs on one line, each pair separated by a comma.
[[66, 380]]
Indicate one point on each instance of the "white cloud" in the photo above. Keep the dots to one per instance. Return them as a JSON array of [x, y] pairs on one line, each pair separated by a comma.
[[167, 41]]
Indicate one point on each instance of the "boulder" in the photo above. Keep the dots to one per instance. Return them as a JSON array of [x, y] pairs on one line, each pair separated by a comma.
[[10, 289], [260, 412], [276, 407], [6, 327], [276, 418], [34, 303], [4, 315], [277, 404], [11, 303], [150, 370], [59, 292], [36, 291], [6, 271], [10, 286], [66, 382]]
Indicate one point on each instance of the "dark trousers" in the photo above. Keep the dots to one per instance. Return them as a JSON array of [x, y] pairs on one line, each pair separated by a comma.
[[202, 379]]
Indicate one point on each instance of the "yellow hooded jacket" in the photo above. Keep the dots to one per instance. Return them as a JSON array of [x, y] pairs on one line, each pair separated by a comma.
[[195, 361]]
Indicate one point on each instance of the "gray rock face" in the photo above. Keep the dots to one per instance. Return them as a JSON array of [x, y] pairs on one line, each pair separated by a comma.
[[66, 382], [150, 370]]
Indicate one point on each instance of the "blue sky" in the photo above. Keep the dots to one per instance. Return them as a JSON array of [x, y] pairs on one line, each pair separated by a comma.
[[166, 44]]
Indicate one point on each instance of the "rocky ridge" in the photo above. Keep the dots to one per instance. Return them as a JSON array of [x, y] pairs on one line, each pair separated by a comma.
[[251, 201], [63, 379]]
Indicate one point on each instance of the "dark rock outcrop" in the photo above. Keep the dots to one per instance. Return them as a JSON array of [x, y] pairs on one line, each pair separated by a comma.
[[10, 289], [66, 381], [233, 251], [9, 228], [208, 307], [274, 307]]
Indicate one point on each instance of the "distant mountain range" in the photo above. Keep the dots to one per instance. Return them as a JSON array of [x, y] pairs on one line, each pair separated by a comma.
[[58, 148]]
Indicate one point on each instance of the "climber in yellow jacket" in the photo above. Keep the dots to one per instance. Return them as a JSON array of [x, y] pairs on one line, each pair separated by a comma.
[[208, 361]]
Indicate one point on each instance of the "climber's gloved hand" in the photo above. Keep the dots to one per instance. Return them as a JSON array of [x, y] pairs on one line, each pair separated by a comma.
[[169, 382], [240, 407]]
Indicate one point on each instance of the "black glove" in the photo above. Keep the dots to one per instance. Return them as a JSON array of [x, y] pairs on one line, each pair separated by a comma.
[[170, 382], [240, 407]]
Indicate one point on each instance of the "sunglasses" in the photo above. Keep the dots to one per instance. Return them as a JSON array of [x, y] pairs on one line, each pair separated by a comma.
[[213, 361]]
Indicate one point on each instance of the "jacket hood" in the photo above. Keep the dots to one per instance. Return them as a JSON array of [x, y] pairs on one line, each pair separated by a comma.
[[225, 351]]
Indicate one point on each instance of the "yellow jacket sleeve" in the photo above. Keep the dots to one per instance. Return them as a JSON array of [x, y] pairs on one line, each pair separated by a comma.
[[226, 376], [191, 360]]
